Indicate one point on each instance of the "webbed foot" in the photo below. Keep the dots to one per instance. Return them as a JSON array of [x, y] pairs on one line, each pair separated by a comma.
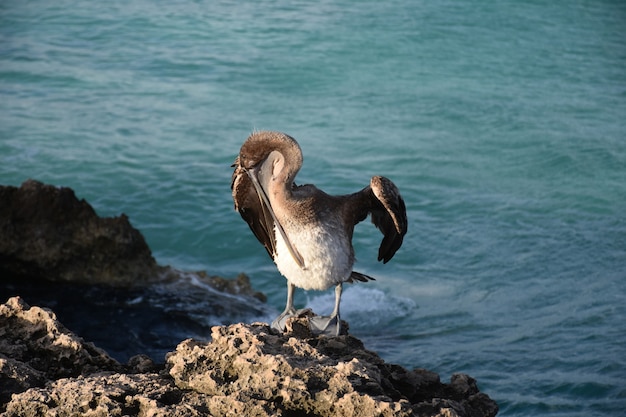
[[325, 325], [280, 321]]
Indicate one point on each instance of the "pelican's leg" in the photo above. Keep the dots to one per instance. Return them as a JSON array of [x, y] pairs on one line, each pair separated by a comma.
[[324, 324], [290, 311]]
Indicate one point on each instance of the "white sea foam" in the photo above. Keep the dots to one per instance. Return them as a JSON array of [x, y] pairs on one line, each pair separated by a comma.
[[362, 306]]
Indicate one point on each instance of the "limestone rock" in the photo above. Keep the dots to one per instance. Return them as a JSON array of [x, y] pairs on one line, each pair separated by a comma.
[[16, 376], [101, 395], [252, 369], [61, 248], [35, 347], [245, 370]]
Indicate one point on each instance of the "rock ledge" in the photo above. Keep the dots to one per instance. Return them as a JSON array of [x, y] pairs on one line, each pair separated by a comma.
[[244, 370]]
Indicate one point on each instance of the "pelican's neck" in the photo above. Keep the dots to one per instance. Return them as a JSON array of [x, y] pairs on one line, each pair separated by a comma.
[[280, 169], [277, 176]]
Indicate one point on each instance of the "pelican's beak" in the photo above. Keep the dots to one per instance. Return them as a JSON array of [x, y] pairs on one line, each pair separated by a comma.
[[260, 180]]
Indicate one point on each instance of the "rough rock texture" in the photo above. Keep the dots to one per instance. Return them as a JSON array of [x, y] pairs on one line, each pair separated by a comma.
[[151, 320], [47, 232], [245, 370], [249, 369], [103, 395], [100, 278], [35, 348]]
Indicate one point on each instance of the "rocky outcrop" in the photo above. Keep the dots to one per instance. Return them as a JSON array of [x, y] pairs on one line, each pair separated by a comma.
[[35, 348], [99, 276], [50, 235], [243, 370], [47, 232], [253, 371]]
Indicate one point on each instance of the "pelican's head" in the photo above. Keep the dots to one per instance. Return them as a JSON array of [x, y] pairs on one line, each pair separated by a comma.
[[270, 152], [270, 160]]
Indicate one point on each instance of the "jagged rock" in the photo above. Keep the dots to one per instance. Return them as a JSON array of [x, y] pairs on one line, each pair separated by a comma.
[[238, 286], [101, 395], [99, 276], [50, 235], [47, 232], [252, 369], [16, 376], [244, 370], [35, 347]]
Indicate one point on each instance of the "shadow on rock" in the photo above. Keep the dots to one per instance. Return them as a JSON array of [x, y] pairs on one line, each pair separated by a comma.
[[150, 319]]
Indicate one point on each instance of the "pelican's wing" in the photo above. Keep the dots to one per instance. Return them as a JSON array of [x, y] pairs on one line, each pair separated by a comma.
[[383, 201], [389, 216], [252, 208]]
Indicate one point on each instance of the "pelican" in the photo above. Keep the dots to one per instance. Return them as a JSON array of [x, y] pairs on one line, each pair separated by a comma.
[[307, 232]]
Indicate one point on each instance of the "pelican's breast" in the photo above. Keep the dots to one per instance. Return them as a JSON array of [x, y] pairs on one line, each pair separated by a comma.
[[325, 248]]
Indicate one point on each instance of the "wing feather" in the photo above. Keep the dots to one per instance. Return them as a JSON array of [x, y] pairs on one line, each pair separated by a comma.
[[252, 209], [388, 213]]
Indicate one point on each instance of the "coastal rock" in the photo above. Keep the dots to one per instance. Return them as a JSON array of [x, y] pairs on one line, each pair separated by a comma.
[[251, 369], [35, 348], [100, 278], [243, 370], [102, 395], [48, 233]]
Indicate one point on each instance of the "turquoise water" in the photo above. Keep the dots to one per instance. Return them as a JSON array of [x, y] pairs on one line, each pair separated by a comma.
[[502, 123]]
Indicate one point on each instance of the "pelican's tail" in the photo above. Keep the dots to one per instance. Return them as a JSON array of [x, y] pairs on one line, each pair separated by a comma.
[[357, 276]]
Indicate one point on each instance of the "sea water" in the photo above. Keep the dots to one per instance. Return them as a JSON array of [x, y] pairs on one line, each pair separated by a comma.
[[502, 123]]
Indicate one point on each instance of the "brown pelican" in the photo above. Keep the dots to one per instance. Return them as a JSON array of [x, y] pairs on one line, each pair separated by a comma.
[[307, 232]]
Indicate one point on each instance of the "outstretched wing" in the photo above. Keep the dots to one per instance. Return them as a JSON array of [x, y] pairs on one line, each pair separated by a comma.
[[383, 201], [252, 208]]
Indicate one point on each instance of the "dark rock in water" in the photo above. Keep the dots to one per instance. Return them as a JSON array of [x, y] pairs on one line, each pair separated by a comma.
[[48, 233], [99, 276], [244, 370]]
